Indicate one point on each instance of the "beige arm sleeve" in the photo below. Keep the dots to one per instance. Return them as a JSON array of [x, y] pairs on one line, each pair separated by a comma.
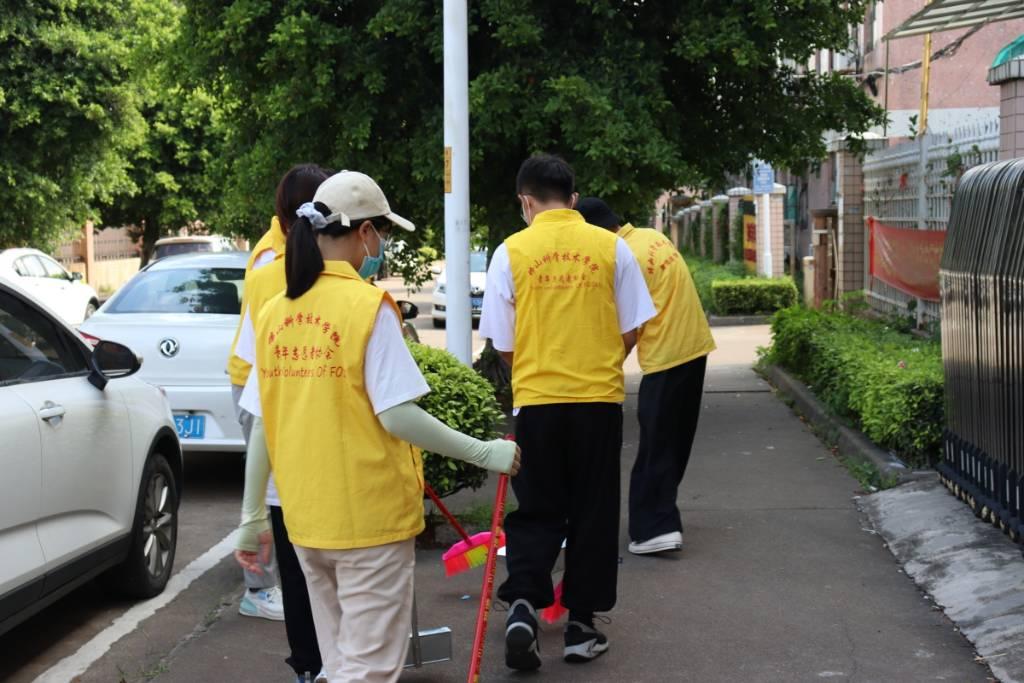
[[411, 423], [257, 473]]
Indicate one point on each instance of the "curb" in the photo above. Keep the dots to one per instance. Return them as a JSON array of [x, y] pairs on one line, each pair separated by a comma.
[[737, 320], [851, 442]]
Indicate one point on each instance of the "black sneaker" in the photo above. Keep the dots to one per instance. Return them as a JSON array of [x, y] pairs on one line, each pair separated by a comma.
[[522, 651], [583, 642]]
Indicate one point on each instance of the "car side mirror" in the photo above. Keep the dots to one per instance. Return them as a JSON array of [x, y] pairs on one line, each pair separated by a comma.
[[409, 309], [75, 277], [111, 360]]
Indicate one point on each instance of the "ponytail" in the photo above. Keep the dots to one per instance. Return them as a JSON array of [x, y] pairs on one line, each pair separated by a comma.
[[303, 261]]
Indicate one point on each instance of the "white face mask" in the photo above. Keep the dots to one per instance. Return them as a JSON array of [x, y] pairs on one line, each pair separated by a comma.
[[522, 212]]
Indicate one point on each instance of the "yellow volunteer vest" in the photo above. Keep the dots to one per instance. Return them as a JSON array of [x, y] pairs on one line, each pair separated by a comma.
[[568, 348], [275, 239], [679, 332], [343, 480]]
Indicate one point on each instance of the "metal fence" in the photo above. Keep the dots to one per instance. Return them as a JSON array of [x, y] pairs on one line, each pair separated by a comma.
[[911, 185], [982, 283], [108, 244]]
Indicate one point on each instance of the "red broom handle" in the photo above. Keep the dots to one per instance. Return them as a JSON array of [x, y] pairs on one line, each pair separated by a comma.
[[448, 515], [488, 585]]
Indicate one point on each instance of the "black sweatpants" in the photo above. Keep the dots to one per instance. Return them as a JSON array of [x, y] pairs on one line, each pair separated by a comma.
[[298, 618], [567, 488], [669, 405]]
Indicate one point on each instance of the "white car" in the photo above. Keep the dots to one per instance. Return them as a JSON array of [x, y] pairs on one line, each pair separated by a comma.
[[176, 246], [180, 314], [47, 281], [477, 281], [92, 470]]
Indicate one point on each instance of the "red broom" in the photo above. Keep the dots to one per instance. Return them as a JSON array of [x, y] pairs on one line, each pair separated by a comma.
[[554, 612], [471, 551], [488, 585]]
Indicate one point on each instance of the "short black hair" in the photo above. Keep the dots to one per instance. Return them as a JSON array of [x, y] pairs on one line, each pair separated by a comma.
[[596, 212], [546, 177]]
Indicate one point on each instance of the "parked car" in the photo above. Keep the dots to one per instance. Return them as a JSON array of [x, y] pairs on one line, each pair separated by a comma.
[[48, 281], [92, 470], [180, 314], [176, 246], [477, 281]]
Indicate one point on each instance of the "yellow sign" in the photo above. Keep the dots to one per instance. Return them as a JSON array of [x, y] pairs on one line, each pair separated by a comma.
[[749, 234], [447, 170]]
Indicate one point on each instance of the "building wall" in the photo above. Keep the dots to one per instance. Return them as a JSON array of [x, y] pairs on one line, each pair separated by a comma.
[[958, 92]]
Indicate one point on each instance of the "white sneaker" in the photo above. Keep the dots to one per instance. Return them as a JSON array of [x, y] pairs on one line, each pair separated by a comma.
[[658, 544], [266, 604], [321, 677]]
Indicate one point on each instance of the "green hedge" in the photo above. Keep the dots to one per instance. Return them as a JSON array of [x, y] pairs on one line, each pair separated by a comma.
[[705, 272], [464, 401], [753, 295], [890, 384]]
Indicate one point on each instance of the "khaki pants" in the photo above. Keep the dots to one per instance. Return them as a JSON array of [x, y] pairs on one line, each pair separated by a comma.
[[362, 608]]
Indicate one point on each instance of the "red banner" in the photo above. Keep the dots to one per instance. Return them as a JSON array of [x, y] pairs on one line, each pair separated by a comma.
[[907, 259]]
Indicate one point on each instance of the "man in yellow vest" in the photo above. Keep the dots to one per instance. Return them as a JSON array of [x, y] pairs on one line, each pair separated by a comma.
[[562, 303], [672, 350]]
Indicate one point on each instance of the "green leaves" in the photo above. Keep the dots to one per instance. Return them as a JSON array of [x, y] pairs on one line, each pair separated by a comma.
[[890, 383], [464, 401], [753, 295]]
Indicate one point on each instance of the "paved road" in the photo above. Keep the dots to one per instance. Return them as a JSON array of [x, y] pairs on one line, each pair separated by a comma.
[[779, 581]]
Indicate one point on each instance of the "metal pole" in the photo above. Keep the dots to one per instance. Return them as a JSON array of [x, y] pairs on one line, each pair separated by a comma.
[[766, 259], [456, 198], [885, 126], [922, 205], [926, 72]]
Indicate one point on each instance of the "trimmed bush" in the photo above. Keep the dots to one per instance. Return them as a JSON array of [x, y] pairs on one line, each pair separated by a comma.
[[888, 383], [705, 272], [752, 295], [464, 401]]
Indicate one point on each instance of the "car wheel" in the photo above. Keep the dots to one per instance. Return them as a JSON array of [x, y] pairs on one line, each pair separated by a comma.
[[90, 308], [145, 571], [438, 323]]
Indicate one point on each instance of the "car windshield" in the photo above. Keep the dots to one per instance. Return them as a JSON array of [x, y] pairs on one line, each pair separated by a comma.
[[176, 248], [478, 262], [182, 290]]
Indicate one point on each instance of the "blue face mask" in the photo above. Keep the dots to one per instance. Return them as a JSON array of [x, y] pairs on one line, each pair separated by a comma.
[[371, 264]]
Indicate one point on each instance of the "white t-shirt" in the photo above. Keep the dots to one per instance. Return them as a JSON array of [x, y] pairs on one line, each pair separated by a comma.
[[498, 317]]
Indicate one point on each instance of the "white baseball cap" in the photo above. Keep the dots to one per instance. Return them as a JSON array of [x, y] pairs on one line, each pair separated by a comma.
[[355, 196]]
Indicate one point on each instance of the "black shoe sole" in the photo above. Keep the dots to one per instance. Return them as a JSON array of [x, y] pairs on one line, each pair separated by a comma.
[[521, 651]]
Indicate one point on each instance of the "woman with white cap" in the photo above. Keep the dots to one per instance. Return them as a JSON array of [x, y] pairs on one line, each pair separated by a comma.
[[337, 386]]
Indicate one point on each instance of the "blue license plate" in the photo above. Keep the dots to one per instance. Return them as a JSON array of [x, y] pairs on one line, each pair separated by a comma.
[[477, 302], [190, 426]]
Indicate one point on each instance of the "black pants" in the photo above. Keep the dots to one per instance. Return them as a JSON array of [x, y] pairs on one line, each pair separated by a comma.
[[567, 488], [298, 618], [668, 409]]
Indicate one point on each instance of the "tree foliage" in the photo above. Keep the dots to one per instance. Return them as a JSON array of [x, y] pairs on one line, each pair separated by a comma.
[[69, 113], [637, 96]]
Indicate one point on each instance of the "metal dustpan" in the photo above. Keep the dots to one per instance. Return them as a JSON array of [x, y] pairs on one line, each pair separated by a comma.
[[430, 646]]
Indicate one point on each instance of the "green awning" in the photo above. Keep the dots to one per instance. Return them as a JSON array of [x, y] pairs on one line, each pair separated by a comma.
[[948, 15], [1011, 51]]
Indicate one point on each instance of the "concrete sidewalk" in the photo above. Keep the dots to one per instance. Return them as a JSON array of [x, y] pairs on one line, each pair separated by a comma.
[[779, 579]]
